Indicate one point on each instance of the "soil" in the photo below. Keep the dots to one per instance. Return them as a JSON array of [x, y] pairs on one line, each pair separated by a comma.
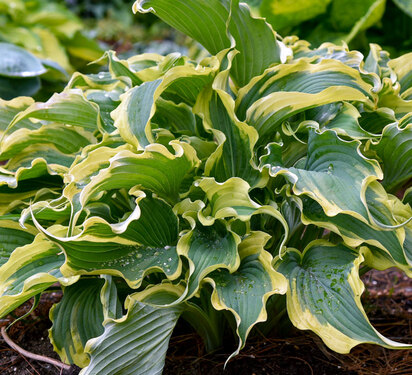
[[388, 303]]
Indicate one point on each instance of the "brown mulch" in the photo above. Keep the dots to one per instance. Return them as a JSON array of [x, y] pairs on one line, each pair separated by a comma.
[[388, 303]]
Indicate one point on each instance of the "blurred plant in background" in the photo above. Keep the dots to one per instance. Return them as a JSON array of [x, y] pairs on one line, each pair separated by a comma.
[[49, 31], [114, 24], [356, 22], [41, 44]]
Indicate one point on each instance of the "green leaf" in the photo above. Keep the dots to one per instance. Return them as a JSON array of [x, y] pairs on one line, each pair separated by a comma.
[[9, 109], [207, 249], [394, 149], [268, 113], [135, 344], [324, 290], [65, 139], [12, 236], [178, 118], [17, 62], [245, 292], [234, 155], [112, 308], [30, 270], [305, 77], [286, 13], [404, 5], [11, 88], [120, 68], [346, 123], [107, 102], [26, 192], [328, 175], [138, 105], [84, 48], [133, 114], [211, 23], [70, 107], [366, 14], [155, 169], [100, 81], [76, 319], [145, 242], [231, 200], [355, 232]]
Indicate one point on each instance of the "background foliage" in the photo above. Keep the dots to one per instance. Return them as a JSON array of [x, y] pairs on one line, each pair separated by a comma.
[[358, 23]]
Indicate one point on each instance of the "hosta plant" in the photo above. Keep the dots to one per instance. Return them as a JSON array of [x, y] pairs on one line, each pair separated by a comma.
[[166, 189], [48, 30]]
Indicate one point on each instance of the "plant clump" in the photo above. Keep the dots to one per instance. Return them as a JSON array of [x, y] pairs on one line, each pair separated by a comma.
[[165, 188]]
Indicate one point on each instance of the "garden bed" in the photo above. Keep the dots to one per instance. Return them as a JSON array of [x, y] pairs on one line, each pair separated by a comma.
[[388, 303]]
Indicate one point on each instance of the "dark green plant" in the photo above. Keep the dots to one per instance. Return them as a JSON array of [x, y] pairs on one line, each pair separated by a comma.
[[357, 23]]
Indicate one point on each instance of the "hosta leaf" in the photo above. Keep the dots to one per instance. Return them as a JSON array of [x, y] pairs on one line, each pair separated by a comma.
[[389, 97], [9, 109], [268, 113], [37, 160], [206, 22], [70, 107], [11, 88], [395, 151], [369, 16], [245, 292], [107, 102], [112, 309], [231, 200], [403, 69], [77, 318], [82, 47], [138, 105], [94, 160], [66, 139], [155, 169], [346, 123], [355, 232], [100, 81], [120, 68], [145, 242], [328, 175], [207, 249], [133, 114], [17, 62], [182, 84], [137, 343], [30, 270], [284, 13], [51, 47], [234, 155], [357, 12], [58, 210], [12, 236], [26, 192], [327, 51], [177, 118], [375, 121], [377, 62], [405, 5], [324, 290], [301, 76]]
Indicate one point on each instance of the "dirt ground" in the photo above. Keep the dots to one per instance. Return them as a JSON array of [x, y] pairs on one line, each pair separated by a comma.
[[388, 303]]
